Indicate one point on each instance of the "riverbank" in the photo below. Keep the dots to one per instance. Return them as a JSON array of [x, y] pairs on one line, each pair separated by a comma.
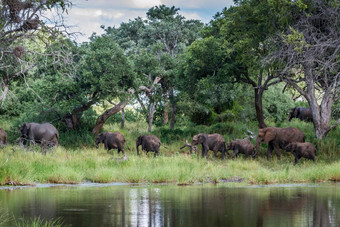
[[19, 167]]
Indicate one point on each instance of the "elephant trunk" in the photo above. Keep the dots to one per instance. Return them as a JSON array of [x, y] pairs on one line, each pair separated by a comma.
[[137, 145], [96, 145], [258, 141]]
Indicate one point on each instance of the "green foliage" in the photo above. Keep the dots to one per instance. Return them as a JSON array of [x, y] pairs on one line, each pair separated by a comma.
[[39, 222], [295, 39], [4, 217], [277, 105]]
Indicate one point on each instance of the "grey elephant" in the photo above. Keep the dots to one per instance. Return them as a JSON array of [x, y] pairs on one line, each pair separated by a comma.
[[243, 146], [44, 134], [149, 143], [301, 150], [278, 138], [111, 140], [3, 137], [214, 142], [304, 114]]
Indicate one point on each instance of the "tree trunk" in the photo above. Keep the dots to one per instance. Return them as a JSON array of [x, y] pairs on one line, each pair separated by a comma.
[[322, 113], [108, 113], [72, 120], [259, 107], [173, 108], [166, 106], [122, 123], [4, 93], [152, 111]]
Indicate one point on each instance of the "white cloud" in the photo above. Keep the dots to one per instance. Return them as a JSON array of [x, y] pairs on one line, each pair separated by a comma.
[[89, 15], [145, 4], [191, 15]]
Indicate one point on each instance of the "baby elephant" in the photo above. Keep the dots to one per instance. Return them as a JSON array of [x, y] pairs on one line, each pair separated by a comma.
[[241, 147], [149, 143], [299, 150], [111, 140], [3, 137]]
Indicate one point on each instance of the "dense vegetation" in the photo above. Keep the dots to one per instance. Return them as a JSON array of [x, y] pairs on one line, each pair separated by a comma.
[[174, 78]]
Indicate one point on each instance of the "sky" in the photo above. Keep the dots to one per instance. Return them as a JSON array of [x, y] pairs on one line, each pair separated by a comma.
[[86, 16]]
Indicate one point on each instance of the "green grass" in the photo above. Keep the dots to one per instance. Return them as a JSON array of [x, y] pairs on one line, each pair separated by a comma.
[[6, 218], [64, 166], [79, 161], [38, 222]]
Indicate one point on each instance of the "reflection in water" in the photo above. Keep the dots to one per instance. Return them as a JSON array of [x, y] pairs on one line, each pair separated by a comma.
[[178, 206]]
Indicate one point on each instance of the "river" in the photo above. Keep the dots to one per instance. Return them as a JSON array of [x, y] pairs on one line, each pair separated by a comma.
[[170, 205]]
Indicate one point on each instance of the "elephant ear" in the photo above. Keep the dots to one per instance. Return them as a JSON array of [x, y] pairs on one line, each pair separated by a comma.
[[229, 146], [297, 112], [24, 129], [139, 140], [99, 137], [202, 138], [270, 134]]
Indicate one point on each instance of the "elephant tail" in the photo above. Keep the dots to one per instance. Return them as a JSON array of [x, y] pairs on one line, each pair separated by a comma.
[[57, 135]]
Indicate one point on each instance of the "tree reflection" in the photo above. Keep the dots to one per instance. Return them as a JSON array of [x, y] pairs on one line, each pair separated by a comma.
[[176, 206]]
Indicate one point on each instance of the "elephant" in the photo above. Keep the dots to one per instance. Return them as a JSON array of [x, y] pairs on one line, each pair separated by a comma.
[[44, 134], [3, 137], [299, 150], [111, 140], [304, 114], [243, 146], [278, 138], [214, 142], [149, 143]]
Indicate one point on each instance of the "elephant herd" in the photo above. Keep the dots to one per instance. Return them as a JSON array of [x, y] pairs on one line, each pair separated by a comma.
[[290, 139], [48, 136]]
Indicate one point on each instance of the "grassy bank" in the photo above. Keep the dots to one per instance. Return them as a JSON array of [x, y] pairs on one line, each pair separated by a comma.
[[76, 160], [77, 166]]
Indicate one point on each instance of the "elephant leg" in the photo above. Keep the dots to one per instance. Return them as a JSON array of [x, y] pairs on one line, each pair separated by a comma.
[[269, 152], [277, 150], [122, 151], [203, 152], [223, 154], [44, 145], [235, 154], [296, 159], [246, 155]]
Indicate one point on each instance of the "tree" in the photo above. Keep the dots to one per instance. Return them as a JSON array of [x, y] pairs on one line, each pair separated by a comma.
[[20, 22], [174, 33], [244, 31], [206, 79], [150, 93], [97, 71], [310, 58], [158, 40]]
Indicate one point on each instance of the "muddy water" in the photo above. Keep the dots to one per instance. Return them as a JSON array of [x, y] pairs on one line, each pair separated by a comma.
[[166, 205]]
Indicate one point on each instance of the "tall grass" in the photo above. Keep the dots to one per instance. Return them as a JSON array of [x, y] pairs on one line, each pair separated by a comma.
[[79, 161], [77, 166], [38, 222], [6, 219]]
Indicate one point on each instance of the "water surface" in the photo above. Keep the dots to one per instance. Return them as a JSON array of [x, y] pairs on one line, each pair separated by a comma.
[[164, 205]]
